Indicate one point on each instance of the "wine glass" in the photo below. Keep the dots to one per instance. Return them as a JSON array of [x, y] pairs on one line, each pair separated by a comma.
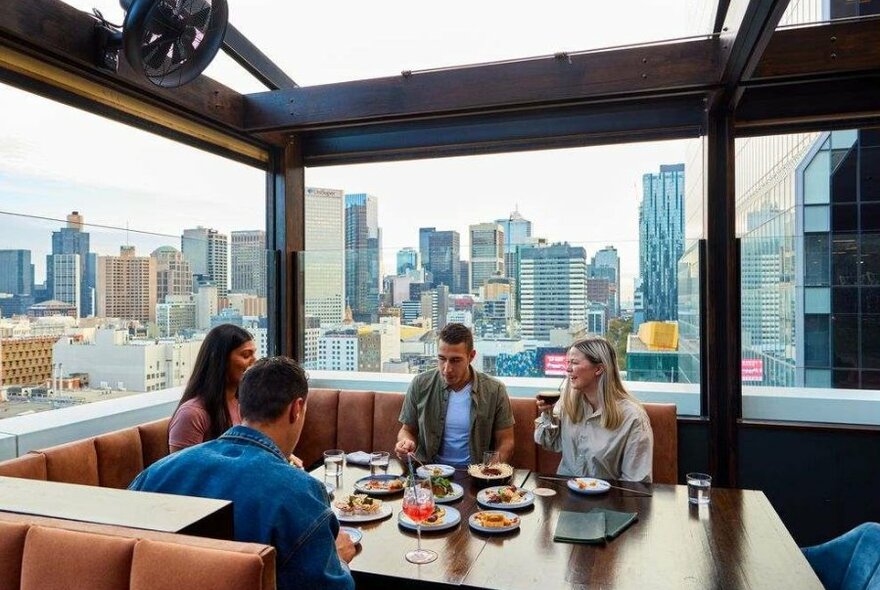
[[550, 398], [418, 505]]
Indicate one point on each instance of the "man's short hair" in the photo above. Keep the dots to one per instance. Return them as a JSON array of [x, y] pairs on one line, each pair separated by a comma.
[[456, 334], [269, 386]]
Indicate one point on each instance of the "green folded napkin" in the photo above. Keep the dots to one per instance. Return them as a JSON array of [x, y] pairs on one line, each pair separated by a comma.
[[595, 526]]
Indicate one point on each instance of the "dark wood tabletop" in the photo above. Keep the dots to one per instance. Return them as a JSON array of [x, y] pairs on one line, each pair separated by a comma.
[[381, 554], [736, 541]]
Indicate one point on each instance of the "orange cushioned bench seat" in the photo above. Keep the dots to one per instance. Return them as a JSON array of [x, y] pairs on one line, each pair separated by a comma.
[[38, 553]]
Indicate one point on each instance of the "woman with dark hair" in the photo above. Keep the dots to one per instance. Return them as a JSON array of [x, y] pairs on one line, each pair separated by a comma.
[[598, 426], [209, 405]]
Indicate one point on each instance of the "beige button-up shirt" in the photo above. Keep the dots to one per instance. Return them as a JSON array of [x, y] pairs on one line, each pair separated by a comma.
[[590, 450]]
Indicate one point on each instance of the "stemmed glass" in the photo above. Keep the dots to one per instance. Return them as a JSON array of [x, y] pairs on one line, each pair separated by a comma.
[[550, 398], [418, 505]]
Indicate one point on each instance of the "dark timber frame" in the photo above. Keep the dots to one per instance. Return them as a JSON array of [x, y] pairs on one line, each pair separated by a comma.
[[746, 79]]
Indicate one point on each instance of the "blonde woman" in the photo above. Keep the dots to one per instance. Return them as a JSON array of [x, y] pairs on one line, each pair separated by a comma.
[[600, 429]]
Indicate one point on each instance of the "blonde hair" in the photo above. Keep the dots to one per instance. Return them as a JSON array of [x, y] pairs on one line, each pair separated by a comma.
[[611, 390]]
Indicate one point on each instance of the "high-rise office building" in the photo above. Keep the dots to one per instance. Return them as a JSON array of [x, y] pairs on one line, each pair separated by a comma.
[[248, 261], [445, 259], [517, 231], [324, 259], [606, 264], [424, 246], [661, 241], [66, 277], [16, 282], [487, 253], [126, 286], [837, 262], [552, 289], [73, 240], [176, 315], [173, 273], [407, 260], [207, 251], [363, 246]]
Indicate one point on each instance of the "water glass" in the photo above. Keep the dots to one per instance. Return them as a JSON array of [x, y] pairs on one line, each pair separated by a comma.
[[379, 462], [334, 460], [699, 486]]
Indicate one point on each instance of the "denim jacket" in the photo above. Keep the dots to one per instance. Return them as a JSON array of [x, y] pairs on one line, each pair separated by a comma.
[[272, 503]]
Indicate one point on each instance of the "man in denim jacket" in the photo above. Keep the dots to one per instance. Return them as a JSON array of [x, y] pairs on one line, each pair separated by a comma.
[[273, 503]]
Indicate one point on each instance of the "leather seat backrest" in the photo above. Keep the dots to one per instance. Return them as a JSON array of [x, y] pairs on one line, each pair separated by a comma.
[[354, 423], [74, 462], [12, 535], [319, 430], [29, 466], [386, 411], [120, 457], [154, 440], [59, 559]]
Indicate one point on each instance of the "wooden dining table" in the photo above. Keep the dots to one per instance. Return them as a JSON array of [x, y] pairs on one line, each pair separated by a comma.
[[736, 541]]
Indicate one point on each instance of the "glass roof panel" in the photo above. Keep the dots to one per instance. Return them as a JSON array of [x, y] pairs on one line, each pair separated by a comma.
[[325, 42], [801, 12]]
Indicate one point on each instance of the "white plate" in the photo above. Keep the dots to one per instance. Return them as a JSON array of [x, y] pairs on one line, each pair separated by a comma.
[[355, 534], [428, 470], [472, 521], [457, 492], [528, 499], [360, 485], [453, 517], [594, 486], [383, 512]]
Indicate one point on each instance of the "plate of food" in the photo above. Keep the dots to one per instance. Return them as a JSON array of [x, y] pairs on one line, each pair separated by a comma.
[[490, 472], [445, 490], [355, 534], [443, 517], [588, 485], [505, 497], [360, 508], [380, 485], [435, 470], [493, 521]]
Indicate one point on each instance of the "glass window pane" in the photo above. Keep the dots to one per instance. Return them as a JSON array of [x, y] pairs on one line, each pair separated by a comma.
[[817, 263], [817, 300], [869, 173], [846, 340], [870, 217], [869, 267], [870, 299], [846, 299], [817, 219], [844, 249], [843, 139], [817, 378], [817, 347], [844, 180], [817, 179], [871, 341], [844, 218]]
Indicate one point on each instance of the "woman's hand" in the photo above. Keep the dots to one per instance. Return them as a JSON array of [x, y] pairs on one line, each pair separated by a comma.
[[295, 461]]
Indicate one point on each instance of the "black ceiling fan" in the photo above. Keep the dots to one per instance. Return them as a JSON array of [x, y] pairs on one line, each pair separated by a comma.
[[169, 42]]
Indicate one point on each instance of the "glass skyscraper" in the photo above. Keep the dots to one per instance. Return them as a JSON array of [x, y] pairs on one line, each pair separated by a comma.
[[362, 256], [661, 241], [16, 282], [72, 240]]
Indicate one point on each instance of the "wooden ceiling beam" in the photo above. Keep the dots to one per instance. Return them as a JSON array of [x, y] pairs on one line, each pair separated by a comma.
[[529, 84]]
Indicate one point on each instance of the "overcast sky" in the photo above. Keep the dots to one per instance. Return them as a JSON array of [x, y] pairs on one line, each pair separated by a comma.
[[54, 159]]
